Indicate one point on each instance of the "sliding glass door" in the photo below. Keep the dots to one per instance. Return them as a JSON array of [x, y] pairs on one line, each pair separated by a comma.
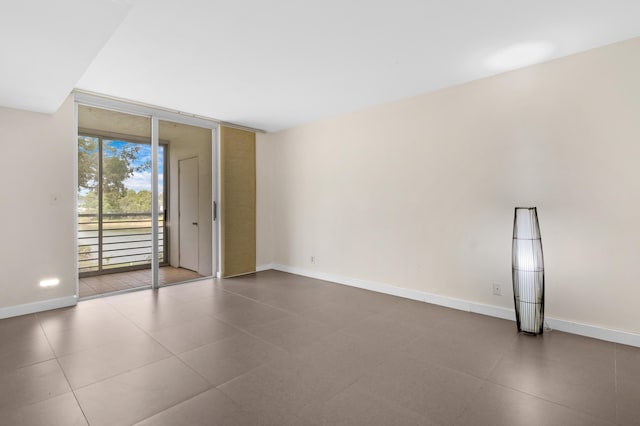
[[114, 201], [125, 162], [189, 203], [115, 204]]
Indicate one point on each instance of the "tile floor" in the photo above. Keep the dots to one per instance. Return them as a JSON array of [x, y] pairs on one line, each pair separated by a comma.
[[279, 349], [101, 284]]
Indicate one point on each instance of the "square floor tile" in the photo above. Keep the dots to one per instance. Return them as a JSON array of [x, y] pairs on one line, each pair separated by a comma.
[[469, 354], [345, 356], [138, 394], [281, 388], [436, 392], [208, 408], [378, 327], [99, 363], [355, 407], [193, 334], [32, 349], [32, 384], [498, 406], [59, 410], [92, 314], [168, 315], [628, 362], [291, 332], [583, 383], [21, 327], [91, 336], [337, 315], [226, 359], [245, 313]]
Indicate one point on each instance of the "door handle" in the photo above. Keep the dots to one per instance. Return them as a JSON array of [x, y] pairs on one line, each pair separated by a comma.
[[194, 223]]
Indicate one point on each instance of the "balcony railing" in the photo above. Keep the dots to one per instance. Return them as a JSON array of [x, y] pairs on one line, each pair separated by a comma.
[[123, 240]]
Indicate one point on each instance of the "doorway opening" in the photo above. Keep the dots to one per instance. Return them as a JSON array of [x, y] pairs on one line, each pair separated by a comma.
[[125, 162]]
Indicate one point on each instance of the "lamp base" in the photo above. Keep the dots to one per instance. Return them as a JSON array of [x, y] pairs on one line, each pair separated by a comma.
[[530, 333]]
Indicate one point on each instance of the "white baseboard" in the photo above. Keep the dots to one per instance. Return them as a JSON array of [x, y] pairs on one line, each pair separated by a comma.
[[266, 267], [44, 305], [587, 330], [596, 332]]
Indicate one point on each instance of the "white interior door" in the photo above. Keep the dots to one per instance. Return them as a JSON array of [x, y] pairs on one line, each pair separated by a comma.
[[188, 211]]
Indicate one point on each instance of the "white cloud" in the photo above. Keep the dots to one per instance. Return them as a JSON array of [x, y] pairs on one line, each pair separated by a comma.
[[142, 181]]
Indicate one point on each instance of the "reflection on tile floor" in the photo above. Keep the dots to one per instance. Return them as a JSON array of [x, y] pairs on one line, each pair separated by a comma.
[[279, 349], [101, 284]]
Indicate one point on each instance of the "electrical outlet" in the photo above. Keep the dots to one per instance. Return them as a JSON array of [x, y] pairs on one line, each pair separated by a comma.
[[497, 289], [313, 259]]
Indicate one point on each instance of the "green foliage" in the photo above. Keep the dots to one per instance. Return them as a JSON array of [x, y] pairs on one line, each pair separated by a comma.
[[87, 162], [117, 166], [136, 202]]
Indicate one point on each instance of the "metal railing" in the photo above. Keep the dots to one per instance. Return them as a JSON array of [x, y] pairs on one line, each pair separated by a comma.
[[120, 240]]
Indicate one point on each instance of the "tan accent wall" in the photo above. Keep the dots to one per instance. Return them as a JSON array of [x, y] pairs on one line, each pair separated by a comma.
[[237, 201]]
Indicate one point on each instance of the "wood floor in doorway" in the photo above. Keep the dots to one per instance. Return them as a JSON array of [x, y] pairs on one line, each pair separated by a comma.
[[101, 284]]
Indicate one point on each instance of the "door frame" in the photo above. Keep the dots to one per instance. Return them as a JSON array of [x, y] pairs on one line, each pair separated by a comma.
[[155, 114]]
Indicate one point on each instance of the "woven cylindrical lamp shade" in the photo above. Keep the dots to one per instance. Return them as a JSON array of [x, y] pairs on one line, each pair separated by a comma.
[[528, 271]]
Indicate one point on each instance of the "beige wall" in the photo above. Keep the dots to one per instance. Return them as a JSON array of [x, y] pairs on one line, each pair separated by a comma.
[[420, 193], [36, 205]]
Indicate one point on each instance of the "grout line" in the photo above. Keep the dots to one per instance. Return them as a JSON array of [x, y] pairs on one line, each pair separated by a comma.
[[175, 405], [62, 370], [615, 380], [577, 410]]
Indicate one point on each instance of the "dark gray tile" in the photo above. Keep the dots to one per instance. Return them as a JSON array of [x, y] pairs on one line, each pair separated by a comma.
[[192, 334], [245, 313], [436, 392], [582, 382], [208, 408], [138, 394], [354, 407], [291, 332], [29, 385], [500, 406], [104, 361], [470, 354], [346, 357], [380, 327], [281, 388], [20, 352], [21, 327], [228, 358], [59, 410]]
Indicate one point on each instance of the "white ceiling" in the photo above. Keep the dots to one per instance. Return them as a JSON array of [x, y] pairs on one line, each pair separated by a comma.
[[279, 63], [46, 46]]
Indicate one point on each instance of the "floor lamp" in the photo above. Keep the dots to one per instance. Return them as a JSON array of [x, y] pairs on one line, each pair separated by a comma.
[[528, 271]]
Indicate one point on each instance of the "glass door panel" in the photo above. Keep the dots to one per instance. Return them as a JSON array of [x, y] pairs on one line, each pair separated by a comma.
[[88, 223], [116, 250], [185, 202], [126, 204], [114, 201]]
